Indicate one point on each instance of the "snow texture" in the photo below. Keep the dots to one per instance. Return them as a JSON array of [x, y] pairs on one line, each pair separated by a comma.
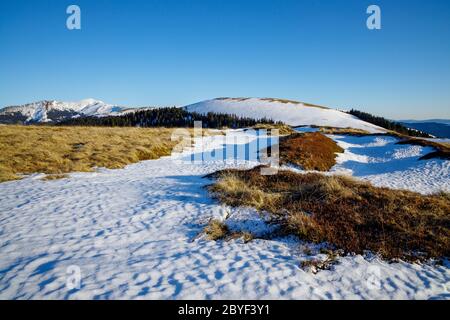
[[135, 234], [381, 161]]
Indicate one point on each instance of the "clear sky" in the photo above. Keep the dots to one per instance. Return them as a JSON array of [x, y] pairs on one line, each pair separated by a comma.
[[175, 52]]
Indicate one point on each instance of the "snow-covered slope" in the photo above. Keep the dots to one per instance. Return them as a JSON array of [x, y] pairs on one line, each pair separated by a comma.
[[133, 233], [290, 112], [50, 110]]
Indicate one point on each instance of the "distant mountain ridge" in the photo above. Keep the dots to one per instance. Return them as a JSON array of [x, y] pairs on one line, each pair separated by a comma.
[[55, 111], [439, 128], [441, 121]]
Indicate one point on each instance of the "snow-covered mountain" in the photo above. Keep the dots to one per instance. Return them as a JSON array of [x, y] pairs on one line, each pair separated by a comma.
[[290, 112], [53, 111]]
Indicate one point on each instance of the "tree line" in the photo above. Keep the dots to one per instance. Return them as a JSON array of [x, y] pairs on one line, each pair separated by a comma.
[[167, 117], [388, 124]]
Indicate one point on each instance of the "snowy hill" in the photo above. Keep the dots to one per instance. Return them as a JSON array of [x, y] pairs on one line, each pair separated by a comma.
[[290, 112], [50, 110]]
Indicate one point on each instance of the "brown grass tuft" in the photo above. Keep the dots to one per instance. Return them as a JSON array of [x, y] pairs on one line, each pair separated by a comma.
[[243, 193], [59, 150], [293, 102], [274, 100], [216, 230], [283, 129], [346, 131], [316, 265], [311, 151], [50, 177], [351, 215]]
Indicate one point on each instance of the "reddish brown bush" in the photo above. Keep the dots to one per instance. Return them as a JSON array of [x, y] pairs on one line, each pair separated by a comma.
[[311, 151], [351, 215]]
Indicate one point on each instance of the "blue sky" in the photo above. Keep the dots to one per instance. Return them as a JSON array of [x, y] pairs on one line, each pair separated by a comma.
[[175, 52]]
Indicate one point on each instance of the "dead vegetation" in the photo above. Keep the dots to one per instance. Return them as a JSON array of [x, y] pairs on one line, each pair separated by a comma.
[[280, 100], [218, 230], [59, 150], [283, 129], [346, 131], [315, 265], [348, 214], [357, 132], [310, 151], [239, 99], [50, 177], [293, 102]]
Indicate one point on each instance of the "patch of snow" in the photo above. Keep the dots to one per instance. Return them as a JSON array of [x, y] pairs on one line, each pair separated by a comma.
[[387, 164], [249, 220], [133, 233]]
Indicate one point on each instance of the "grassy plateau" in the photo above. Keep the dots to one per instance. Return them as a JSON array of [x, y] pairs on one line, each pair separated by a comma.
[[60, 150]]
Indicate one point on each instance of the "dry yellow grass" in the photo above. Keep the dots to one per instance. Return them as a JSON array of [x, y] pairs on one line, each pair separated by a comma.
[[293, 102], [216, 230], [346, 131], [59, 150], [239, 99], [240, 192], [283, 129], [56, 176]]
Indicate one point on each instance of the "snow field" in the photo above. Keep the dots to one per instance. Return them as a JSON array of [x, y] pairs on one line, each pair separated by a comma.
[[134, 234]]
